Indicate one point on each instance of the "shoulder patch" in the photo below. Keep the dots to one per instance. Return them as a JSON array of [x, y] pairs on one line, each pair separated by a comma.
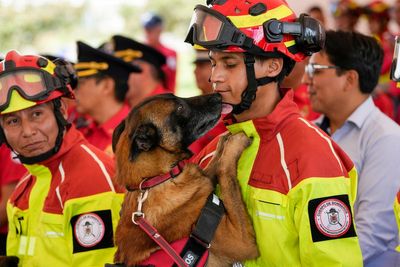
[[92, 231], [330, 218]]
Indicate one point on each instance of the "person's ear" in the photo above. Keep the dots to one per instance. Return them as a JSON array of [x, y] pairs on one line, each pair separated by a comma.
[[64, 108], [275, 66], [270, 67], [352, 79], [108, 86]]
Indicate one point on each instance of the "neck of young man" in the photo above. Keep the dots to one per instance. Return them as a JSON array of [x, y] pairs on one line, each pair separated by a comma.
[[267, 97]]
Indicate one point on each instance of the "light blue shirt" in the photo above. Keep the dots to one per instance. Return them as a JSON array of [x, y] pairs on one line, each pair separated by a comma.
[[372, 141]]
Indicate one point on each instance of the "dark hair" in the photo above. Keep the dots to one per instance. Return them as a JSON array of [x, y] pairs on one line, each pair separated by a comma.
[[120, 88], [157, 73], [315, 9], [355, 51]]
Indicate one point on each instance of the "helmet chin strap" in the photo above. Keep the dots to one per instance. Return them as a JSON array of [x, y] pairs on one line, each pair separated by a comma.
[[62, 125], [249, 94]]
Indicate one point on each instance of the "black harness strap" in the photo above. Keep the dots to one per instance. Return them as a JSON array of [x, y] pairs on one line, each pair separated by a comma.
[[203, 233]]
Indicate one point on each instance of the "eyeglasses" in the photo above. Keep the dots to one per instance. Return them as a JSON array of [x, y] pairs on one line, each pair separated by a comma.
[[311, 68]]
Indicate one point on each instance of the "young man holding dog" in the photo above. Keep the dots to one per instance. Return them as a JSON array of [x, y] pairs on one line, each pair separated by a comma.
[[298, 185], [66, 211]]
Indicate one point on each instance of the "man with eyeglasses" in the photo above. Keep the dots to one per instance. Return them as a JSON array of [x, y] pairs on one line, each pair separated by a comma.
[[340, 81]]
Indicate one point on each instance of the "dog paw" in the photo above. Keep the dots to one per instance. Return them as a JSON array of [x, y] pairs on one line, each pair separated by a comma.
[[236, 143]]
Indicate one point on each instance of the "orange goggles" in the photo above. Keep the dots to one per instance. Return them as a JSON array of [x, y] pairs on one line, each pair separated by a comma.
[[211, 29], [31, 84]]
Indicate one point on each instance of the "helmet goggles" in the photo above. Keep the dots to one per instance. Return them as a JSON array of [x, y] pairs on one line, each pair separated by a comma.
[[210, 29], [31, 83]]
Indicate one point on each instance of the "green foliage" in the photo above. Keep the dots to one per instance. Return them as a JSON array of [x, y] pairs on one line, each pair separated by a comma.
[[176, 13], [54, 26], [23, 25]]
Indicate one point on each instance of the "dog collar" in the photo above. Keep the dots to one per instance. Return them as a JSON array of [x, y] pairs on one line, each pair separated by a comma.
[[156, 180]]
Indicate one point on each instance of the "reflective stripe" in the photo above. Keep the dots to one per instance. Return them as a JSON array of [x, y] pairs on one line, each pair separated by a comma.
[[290, 43], [327, 140], [101, 165], [62, 173], [23, 242], [23, 180], [54, 234], [209, 155], [246, 21], [269, 215], [31, 247], [283, 162], [27, 245]]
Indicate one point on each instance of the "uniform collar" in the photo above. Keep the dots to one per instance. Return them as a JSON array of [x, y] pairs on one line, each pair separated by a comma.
[[360, 115], [357, 118], [109, 126], [271, 123]]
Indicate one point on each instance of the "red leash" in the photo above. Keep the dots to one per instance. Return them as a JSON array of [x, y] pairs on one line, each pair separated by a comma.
[[138, 219], [153, 233]]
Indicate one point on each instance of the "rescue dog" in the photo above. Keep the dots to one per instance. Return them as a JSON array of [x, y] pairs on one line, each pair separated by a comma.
[[153, 138]]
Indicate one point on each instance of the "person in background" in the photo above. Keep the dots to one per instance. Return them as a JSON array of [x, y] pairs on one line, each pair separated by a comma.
[[297, 184], [65, 212], [11, 171], [153, 26], [101, 91], [202, 71], [300, 96], [346, 14], [317, 13], [378, 16], [149, 81], [341, 79]]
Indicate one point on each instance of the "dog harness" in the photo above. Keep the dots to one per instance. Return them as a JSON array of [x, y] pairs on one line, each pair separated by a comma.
[[191, 251]]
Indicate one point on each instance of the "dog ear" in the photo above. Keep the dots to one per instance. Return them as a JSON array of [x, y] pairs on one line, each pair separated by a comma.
[[145, 138], [116, 134]]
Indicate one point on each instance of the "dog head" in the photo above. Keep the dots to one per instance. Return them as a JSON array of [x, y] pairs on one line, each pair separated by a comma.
[[162, 127]]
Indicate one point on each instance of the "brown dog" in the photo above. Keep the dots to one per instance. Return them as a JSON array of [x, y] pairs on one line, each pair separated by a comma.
[[154, 138]]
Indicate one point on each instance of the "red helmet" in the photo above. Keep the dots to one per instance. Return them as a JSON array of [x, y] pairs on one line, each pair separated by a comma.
[[257, 27], [29, 80], [378, 9], [345, 7]]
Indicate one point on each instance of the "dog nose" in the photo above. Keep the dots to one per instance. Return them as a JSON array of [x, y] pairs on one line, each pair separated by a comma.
[[215, 98]]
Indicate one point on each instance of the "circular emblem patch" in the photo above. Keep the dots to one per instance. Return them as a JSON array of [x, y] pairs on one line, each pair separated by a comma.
[[332, 217], [89, 230]]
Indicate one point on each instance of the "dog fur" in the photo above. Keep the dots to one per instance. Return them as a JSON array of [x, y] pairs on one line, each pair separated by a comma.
[[151, 140]]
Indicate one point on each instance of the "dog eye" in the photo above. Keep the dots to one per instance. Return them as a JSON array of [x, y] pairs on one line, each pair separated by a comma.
[[179, 108]]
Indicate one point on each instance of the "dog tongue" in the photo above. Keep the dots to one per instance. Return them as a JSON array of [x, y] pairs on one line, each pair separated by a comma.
[[226, 109]]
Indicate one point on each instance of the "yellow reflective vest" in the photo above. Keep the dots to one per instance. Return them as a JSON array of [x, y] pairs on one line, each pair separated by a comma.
[[66, 211]]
